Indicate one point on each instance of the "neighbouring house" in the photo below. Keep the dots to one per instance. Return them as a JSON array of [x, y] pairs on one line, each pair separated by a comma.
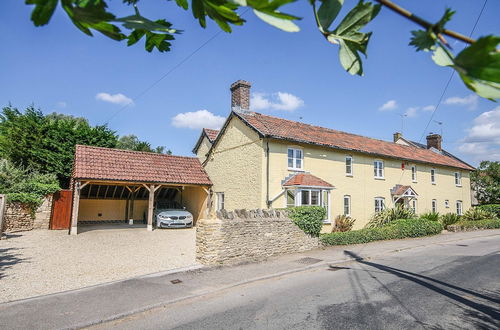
[[261, 161], [115, 185]]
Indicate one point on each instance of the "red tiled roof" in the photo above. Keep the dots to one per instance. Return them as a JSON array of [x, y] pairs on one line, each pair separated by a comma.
[[400, 189], [279, 128], [124, 165], [211, 133], [306, 180]]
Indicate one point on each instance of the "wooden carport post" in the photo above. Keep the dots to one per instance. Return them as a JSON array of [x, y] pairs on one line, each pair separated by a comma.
[[76, 203], [152, 189]]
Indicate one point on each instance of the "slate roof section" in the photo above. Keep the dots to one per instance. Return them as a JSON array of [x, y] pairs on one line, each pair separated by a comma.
[[98, 163], [306, 180], [294, 131], [211, 134]]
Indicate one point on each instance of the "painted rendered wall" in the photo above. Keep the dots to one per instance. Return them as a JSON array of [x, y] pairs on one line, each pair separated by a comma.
[[110, 209], [235, 167], [329, 165], [203, 149], [195, 201]]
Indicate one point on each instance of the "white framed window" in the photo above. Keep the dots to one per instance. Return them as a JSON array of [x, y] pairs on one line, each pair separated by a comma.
[[379, 204], [414, 173], [325, 202], [347, 205], [459, 207], [309, 197], [348, 165], [378, 169], [295, 159], [458, 179], [414, 206], [447, 203], [433, 176], [220, 201], [434, 206]]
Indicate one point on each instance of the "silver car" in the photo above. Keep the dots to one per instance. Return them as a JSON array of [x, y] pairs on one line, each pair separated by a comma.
[[173, 218]]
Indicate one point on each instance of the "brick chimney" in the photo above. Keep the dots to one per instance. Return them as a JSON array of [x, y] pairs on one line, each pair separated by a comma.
[[240, 95], [396, 136], [434, 141]]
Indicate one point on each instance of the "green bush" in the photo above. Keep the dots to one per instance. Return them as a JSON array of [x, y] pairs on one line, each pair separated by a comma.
[[343, 223], [431, 216], [448, 219], [475, 214], [474, 225], [308, 218], [494, 208], [396, 230], [388, 215]]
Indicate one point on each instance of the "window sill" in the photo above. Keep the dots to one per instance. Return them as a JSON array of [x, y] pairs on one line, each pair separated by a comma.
[[349, 175], [379, 178], [295, 169], [434, 183], [458, 185], [327, 222], [414, 181]]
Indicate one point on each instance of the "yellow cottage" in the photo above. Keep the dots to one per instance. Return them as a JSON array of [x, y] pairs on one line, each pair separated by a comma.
[[261, 161]]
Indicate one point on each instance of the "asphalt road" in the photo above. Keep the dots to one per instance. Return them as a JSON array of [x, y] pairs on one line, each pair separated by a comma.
[[454, 285]]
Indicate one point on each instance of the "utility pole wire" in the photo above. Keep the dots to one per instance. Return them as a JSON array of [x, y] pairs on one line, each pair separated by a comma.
[[451, 77]]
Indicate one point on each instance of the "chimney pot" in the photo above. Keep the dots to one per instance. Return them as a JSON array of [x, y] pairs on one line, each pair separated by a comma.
[[396, 136], [434, 141], [240, 95]]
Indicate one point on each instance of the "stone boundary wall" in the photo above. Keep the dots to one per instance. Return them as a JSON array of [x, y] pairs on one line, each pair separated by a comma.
[[249, 235], [18, 217]]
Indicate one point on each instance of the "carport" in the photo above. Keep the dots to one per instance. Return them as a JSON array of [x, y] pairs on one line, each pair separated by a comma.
[[114, 185]]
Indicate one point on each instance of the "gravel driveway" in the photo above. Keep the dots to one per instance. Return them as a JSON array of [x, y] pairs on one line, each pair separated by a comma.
[[45, 261]]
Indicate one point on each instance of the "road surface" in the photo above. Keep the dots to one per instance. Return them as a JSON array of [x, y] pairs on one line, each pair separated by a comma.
[[454, 285]]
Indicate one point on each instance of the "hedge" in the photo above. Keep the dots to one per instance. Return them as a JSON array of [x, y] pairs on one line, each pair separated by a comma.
[[493, 208], [396, 230], [308, 218], [475, 225]]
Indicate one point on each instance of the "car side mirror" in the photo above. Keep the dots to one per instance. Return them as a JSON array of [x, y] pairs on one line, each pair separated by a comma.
[[184, 208]]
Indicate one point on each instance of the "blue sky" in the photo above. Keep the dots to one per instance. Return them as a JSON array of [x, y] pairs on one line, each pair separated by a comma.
[[293, 75]]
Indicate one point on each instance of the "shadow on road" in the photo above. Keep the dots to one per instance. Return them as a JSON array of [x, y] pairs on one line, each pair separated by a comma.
[[482, 315]]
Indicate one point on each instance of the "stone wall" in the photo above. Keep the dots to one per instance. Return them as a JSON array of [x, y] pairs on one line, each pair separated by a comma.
[[249, 235], [18, 217]]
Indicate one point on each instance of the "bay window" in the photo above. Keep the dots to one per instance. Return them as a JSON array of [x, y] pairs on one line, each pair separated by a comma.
[[309, 197]]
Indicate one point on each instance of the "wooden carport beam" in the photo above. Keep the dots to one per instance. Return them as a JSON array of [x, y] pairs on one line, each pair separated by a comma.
[[76, 203], [152, 189]]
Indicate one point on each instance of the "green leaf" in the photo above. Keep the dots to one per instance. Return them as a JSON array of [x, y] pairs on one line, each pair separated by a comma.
[[328, 11], [142, 23], [357, 18], [423, 40], [448, 14], [481, 60], [275, 20], [182, 3], [486, 89], [442, 56], [43, 11], [349, 57]]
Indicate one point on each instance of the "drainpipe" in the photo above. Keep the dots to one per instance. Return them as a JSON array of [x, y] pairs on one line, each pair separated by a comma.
[[268, 202]]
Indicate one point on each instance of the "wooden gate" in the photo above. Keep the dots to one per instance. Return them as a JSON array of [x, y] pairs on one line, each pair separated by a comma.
[[61, 210]]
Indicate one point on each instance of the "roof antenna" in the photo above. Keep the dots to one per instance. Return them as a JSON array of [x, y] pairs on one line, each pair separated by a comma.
[[440, 123], [403, 115]]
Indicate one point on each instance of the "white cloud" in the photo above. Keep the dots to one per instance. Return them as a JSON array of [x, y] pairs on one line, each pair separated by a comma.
[[483, 138], [389, 105], [198, 119], [429, 108], [411, 112], [114, 98], [61, 104], [275, 101], [470, 101]]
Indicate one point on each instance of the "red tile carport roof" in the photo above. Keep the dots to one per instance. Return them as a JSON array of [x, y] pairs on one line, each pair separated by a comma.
[[306, 180], [98, 163], [279, 128]]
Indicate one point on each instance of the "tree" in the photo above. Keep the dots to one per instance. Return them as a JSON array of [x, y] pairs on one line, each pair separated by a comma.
[[132, 142], [486, 181], [478, 65], [46, 144]]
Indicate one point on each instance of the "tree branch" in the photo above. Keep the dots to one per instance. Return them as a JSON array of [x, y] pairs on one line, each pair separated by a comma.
[[423, 23]]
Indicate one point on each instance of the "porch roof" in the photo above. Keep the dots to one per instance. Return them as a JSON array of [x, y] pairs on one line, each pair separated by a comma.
[[306, 180]]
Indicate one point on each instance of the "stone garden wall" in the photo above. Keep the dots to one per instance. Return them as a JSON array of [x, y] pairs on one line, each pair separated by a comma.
[[248, 235], [18, 217]]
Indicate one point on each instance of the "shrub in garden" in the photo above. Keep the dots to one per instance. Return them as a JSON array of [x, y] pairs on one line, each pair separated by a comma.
[[388, 215], [343, 223], [476, 214], [431, 216], [475, 225], [494, 208], [396, 230], [308, 218], [448, 219]]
